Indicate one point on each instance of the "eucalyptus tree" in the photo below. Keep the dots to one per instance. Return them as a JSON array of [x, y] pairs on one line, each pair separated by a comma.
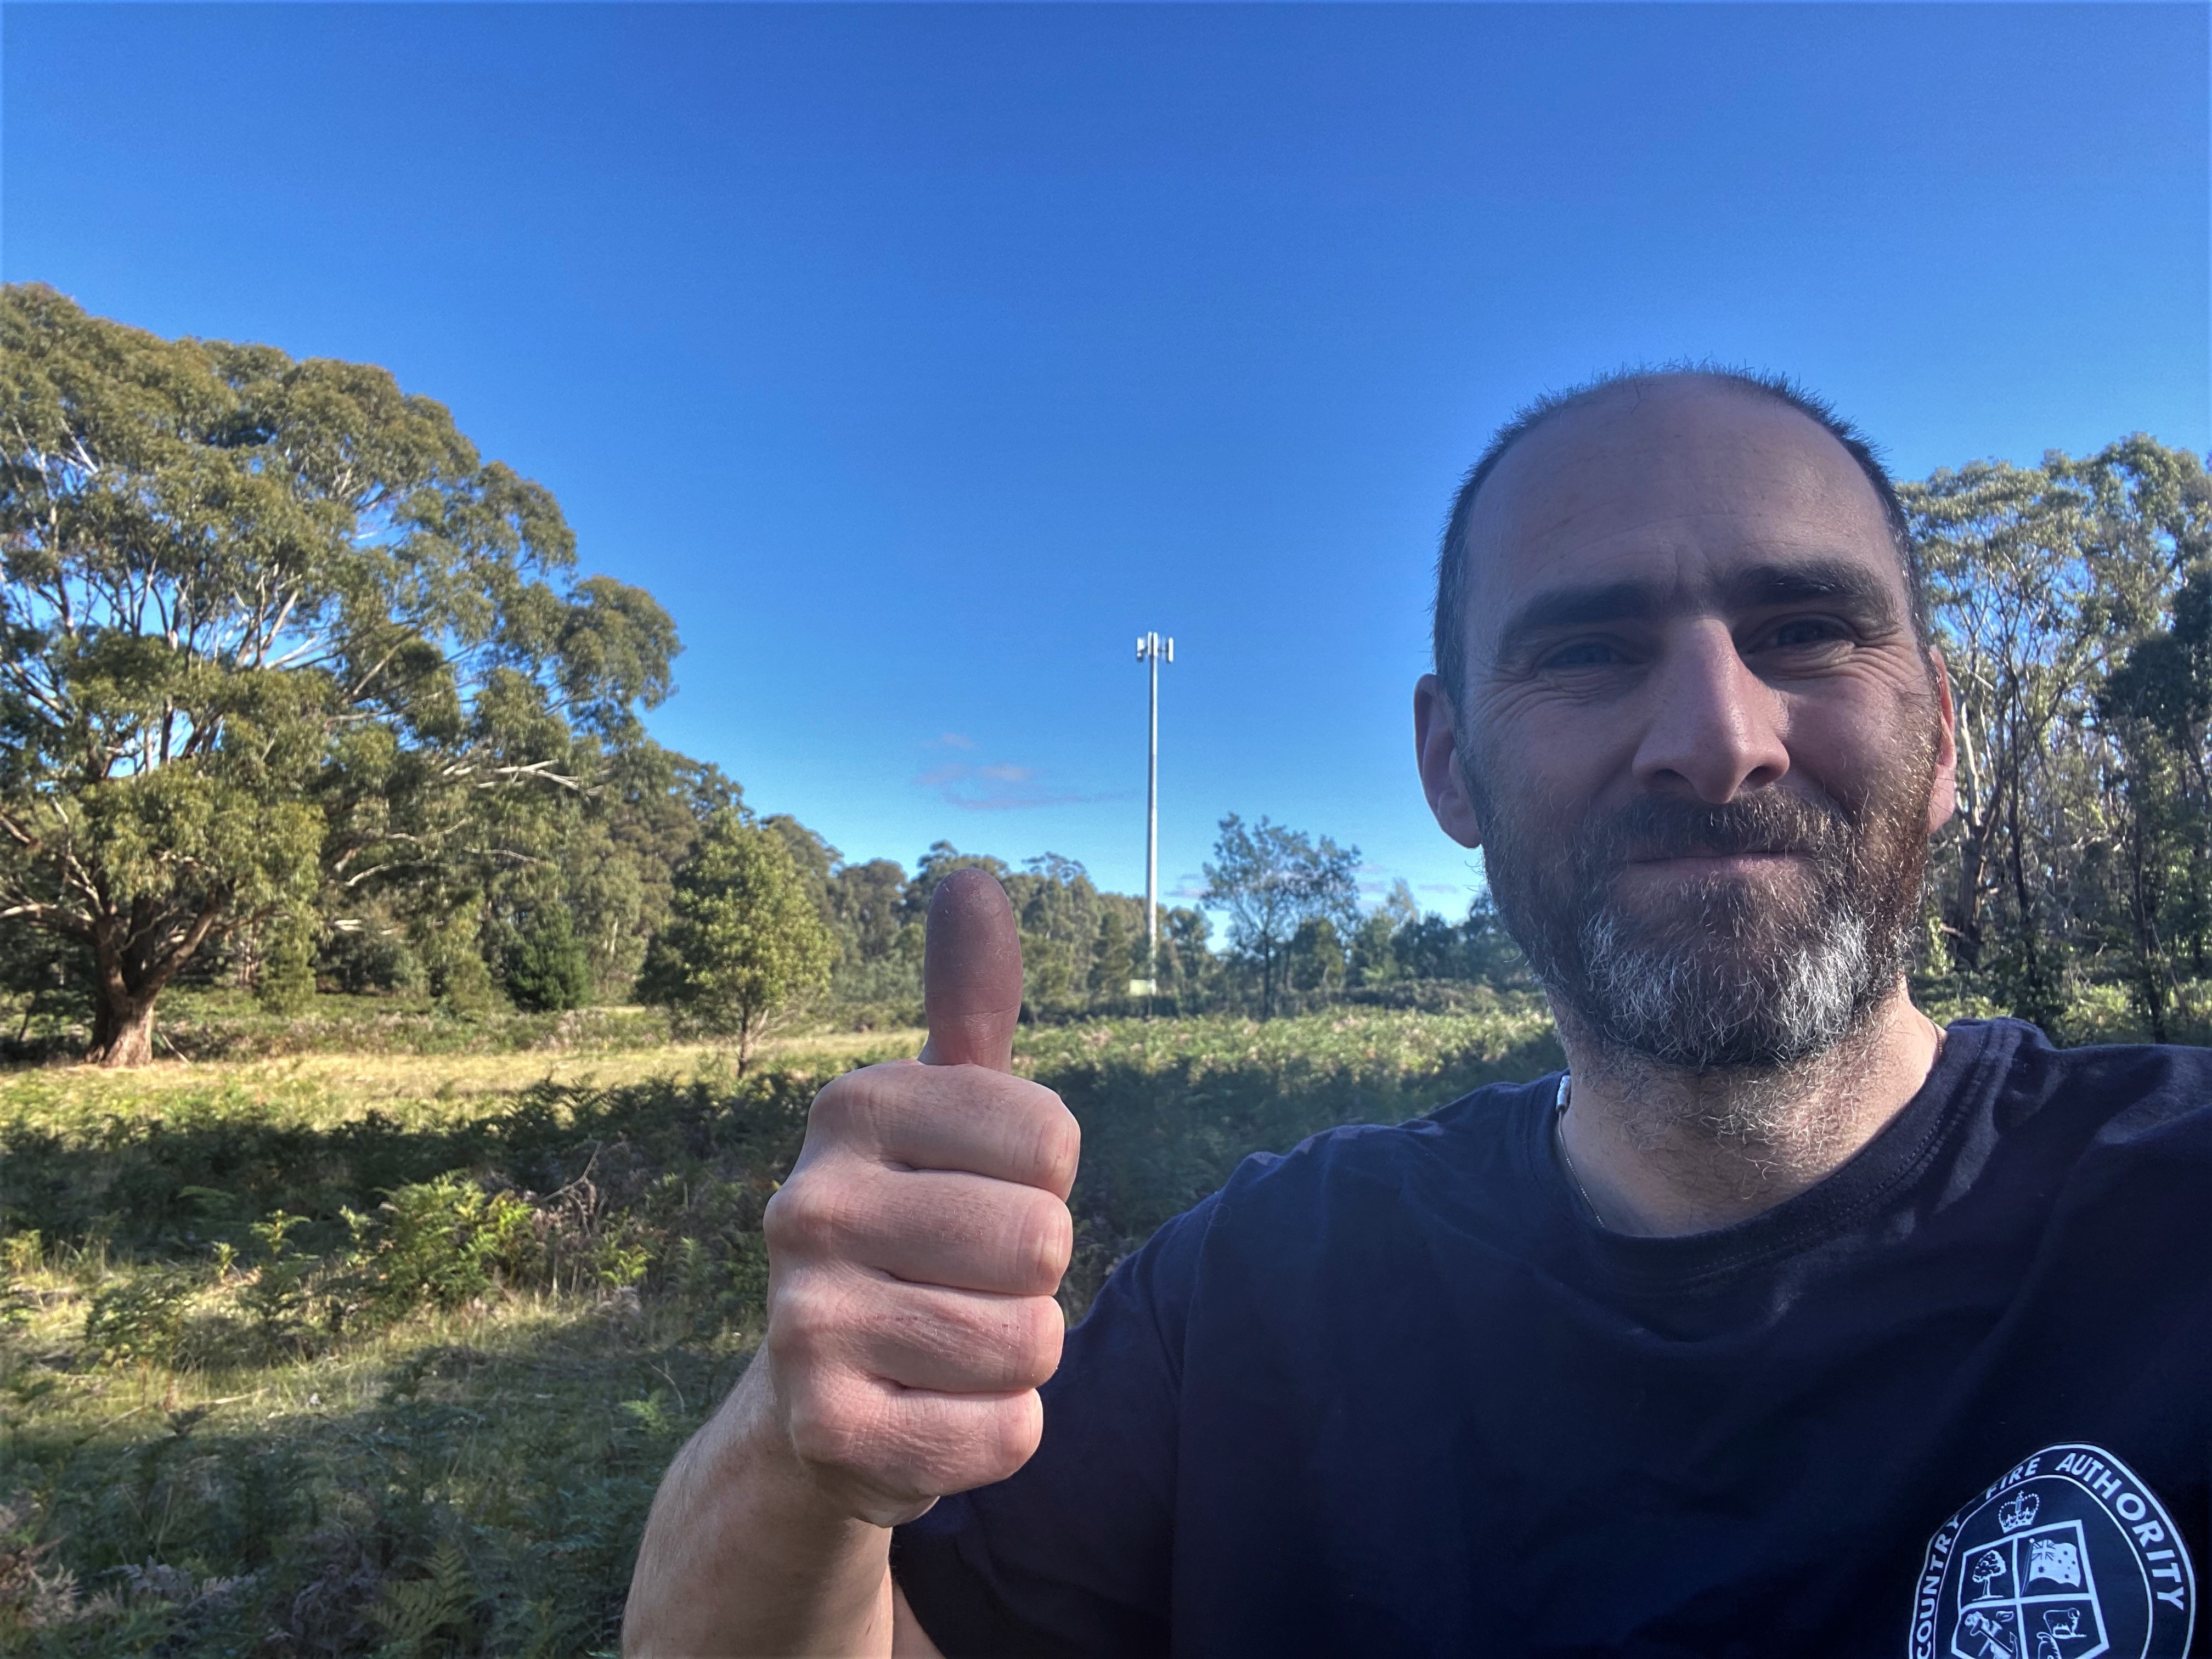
[[2157, 706], [1059, 911], [2016, 605], [1270, 880], [2042, 580], [274, 633], [746, 943]]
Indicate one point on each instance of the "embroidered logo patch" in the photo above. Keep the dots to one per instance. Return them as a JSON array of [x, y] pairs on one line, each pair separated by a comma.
[[2069, 1556]]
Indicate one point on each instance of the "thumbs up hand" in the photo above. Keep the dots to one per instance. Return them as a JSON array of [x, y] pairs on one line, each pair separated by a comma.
[[914, 1252]]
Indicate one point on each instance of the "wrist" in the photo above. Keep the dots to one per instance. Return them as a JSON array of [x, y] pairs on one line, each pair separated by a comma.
[[745, 1553]]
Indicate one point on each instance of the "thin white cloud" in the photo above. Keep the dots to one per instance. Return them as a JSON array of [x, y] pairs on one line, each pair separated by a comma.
[[1002, 786]]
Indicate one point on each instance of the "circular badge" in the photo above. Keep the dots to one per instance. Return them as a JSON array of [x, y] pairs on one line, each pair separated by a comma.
[[2068, 1556]]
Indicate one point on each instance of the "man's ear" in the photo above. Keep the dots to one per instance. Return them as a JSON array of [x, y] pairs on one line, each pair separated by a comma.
[[1943, 799], [1435, 751]]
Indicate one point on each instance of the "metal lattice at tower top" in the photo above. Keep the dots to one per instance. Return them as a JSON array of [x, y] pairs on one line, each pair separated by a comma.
[[1153, 650]]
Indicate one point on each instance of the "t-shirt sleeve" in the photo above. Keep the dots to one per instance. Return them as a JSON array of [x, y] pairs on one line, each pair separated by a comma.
[[1070, 1555]]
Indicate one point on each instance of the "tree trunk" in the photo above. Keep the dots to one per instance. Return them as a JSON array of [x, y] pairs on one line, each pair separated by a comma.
[[122, 1028], [127, 980], [1966, 917], [2152, 992]]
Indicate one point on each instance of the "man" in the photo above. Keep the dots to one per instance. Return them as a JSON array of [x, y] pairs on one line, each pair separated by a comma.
[[1784, 1323]]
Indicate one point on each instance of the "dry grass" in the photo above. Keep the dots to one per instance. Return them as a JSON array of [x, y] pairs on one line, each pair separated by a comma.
[[320, 1090], [183, 1474]]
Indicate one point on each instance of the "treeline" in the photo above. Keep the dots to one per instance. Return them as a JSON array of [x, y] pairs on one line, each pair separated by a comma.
[[299, 692], [298, 688], [1083, 950], [2072, 601]]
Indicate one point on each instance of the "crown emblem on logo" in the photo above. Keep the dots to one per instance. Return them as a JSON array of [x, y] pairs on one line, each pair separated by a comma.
[[2019, 1511]]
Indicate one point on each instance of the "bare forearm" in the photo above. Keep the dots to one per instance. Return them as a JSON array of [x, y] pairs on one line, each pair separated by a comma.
[[914, 1250], [742, 1556]]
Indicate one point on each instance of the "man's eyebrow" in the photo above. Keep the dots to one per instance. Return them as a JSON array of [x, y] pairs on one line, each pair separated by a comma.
[[1845, 582], [1834, 581], [1579, 607]]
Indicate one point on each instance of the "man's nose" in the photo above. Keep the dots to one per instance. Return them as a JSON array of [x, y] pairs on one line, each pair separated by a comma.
[[1715, 727]]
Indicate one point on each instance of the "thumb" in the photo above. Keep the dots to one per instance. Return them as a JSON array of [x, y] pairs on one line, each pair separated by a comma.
[[972, 973]]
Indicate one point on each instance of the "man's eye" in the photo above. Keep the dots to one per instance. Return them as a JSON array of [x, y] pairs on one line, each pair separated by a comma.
[[1810, 631], [1582, 653]]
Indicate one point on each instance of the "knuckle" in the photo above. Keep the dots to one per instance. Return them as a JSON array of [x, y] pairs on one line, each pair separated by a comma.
[[1015, 1428], [792, 1223], [1036, 1352], [832, 1107], [876, 1095], [810, 1320], [780, 1219], [1059, 1143], [832, 1428], [815, 1216], [852, 1107], [1044, 1239]]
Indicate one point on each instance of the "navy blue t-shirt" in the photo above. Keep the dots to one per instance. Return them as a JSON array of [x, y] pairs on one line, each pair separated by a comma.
[[1394, 1394]]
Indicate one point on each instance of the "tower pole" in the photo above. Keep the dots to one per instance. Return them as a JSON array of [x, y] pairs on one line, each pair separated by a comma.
[[1151, 650], [1153, 827]]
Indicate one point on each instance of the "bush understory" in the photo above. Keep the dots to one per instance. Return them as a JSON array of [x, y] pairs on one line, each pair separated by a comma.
[[203, 1023], [290, 1367]]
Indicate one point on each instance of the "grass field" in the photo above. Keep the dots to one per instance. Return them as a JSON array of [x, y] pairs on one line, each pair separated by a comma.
[[383, 1351]]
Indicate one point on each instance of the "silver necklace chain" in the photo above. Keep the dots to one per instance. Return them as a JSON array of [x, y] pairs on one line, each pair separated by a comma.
[[1566, 1160]]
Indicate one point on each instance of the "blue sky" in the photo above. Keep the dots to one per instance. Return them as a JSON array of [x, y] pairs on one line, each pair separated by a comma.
[[917, 357]]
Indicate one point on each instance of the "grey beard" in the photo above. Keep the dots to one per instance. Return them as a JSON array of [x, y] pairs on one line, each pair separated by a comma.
[[1745, 982], [1674, 1003]]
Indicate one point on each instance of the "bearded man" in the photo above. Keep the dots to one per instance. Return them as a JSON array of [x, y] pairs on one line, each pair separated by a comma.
[[1783, 1323]]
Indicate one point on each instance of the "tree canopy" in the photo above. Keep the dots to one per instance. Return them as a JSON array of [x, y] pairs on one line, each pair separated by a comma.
[[2062, 602], [1272, 881], [746, 938], [274, 634]]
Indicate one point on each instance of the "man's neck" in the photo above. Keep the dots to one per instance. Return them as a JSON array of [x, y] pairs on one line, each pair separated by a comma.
[[1659, 1149]]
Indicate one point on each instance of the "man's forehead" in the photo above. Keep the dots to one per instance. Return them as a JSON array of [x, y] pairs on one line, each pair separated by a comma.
[[1679, 485]]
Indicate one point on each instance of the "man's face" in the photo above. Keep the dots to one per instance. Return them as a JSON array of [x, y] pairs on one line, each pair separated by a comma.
[[1699, 742]]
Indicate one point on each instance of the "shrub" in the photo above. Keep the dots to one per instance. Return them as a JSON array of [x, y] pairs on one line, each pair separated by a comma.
[[277, 1296], [446, 1242], [140, 1319], [548, 970]]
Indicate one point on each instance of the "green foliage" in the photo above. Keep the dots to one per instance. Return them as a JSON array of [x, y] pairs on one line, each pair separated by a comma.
[[1316, 959], [414, 1613], [745, 939], [459, 980], [1272, 881], [139, 1320], [285, 982], [209, 1024], [1186, 970], [513, 1367], [444, 1242], [276, 634], [1477, 949], [2072, 604], [277, 1296], [549, 970]]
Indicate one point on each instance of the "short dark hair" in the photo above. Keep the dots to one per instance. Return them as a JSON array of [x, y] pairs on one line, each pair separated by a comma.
[[1449, 633]]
